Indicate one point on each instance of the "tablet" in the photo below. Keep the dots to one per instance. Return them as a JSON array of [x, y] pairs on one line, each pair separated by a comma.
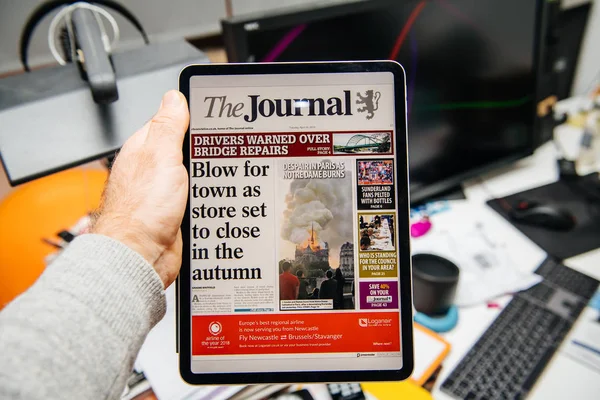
[[296, 259]]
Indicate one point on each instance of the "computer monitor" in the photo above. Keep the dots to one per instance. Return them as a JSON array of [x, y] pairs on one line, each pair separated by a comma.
[[471, 71]]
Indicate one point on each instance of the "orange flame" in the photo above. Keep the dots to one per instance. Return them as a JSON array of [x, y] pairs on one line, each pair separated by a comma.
[[312, 241]]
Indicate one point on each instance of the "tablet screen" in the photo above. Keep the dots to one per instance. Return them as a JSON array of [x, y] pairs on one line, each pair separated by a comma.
[[294, 223]]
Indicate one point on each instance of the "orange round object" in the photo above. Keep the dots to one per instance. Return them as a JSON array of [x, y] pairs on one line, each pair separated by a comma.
[[39, 210]]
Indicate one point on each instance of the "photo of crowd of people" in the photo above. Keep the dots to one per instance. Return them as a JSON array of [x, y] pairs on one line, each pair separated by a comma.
[[376, 232], [376, 172], [294, 284]]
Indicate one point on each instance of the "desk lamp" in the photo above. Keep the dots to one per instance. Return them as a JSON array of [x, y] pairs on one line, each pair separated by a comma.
[[59, 117], [84, 40]]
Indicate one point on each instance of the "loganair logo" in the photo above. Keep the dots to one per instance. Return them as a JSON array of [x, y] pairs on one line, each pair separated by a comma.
[[256, 107], [378, 322]]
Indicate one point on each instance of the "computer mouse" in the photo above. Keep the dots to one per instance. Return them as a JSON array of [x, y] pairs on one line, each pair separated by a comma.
[[544, 216]]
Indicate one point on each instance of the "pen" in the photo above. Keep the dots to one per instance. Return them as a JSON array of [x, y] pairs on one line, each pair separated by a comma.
[[587, 347]]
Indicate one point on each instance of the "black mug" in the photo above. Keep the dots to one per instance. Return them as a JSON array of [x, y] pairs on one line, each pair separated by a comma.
[[434, 283]]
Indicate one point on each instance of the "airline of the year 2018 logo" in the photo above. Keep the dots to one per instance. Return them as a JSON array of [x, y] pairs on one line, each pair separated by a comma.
[[221, 107], [215, 328]]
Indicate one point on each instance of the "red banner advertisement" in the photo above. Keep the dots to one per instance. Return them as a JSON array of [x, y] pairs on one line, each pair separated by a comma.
[[299, 333]]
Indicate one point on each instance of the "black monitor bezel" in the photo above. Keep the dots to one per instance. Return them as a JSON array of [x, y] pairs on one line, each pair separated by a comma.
[[235, 34]]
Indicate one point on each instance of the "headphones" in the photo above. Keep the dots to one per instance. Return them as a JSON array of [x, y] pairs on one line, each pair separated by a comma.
[[45, 8]]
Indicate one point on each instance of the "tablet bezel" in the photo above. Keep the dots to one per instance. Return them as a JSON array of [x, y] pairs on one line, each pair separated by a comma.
[[402, 208]]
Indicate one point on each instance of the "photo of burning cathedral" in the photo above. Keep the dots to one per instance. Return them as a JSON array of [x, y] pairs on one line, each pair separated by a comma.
[[310, 254], [316, 250], [311, 263]]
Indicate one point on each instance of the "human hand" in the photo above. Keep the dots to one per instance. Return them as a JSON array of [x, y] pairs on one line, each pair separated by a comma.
[[145, 197]]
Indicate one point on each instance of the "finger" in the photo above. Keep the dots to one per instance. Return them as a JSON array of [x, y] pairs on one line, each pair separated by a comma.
[[178, 246], [136, 140], [170, 123]]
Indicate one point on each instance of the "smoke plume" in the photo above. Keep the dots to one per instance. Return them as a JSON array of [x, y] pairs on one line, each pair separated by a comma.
[[326, 205]]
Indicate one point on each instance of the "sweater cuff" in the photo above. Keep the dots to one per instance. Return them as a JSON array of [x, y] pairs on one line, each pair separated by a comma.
[[117, 283]]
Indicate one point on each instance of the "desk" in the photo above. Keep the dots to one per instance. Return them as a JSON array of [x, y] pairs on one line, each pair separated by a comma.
[[563, 378], [581, 382]]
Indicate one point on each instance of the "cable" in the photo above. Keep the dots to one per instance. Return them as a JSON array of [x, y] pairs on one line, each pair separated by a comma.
[[71, 35], [65, 13], [45, 8], [103, 33], [284, 43], [52, 34], [65, 43], [97, 10], [406, 28]]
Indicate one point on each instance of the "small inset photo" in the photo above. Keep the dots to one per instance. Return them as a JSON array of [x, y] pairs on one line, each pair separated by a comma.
[[376, 232], [362, 143], [375, 184], [375, 172]]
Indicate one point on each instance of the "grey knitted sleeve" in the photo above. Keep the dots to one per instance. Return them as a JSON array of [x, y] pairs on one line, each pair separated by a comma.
[[77, 331]]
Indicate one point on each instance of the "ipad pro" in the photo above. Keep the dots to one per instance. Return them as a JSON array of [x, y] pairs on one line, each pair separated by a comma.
[[296, 257]]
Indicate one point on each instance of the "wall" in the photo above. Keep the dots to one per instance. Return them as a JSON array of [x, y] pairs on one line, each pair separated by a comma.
[[162, 19], [588, 68], [167, 19]]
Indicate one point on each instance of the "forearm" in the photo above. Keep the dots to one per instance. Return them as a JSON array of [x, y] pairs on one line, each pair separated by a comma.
[[77, 331]]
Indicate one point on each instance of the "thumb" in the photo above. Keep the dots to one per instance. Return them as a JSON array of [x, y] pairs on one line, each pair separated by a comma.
[[171, 121]]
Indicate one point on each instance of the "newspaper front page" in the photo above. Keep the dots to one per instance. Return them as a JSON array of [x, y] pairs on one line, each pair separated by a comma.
[[294, 249]]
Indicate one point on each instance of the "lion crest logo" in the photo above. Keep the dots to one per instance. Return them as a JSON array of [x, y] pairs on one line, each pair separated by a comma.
[[370, 101]]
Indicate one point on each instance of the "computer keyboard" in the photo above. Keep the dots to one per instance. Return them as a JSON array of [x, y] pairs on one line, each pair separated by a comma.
[[567, 278], [510, 356]]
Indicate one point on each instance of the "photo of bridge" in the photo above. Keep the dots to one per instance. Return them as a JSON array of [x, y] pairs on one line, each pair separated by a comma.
[[363, 143]]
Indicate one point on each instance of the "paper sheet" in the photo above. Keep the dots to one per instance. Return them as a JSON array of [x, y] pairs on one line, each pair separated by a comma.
[[492, 258], [584, 343]]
